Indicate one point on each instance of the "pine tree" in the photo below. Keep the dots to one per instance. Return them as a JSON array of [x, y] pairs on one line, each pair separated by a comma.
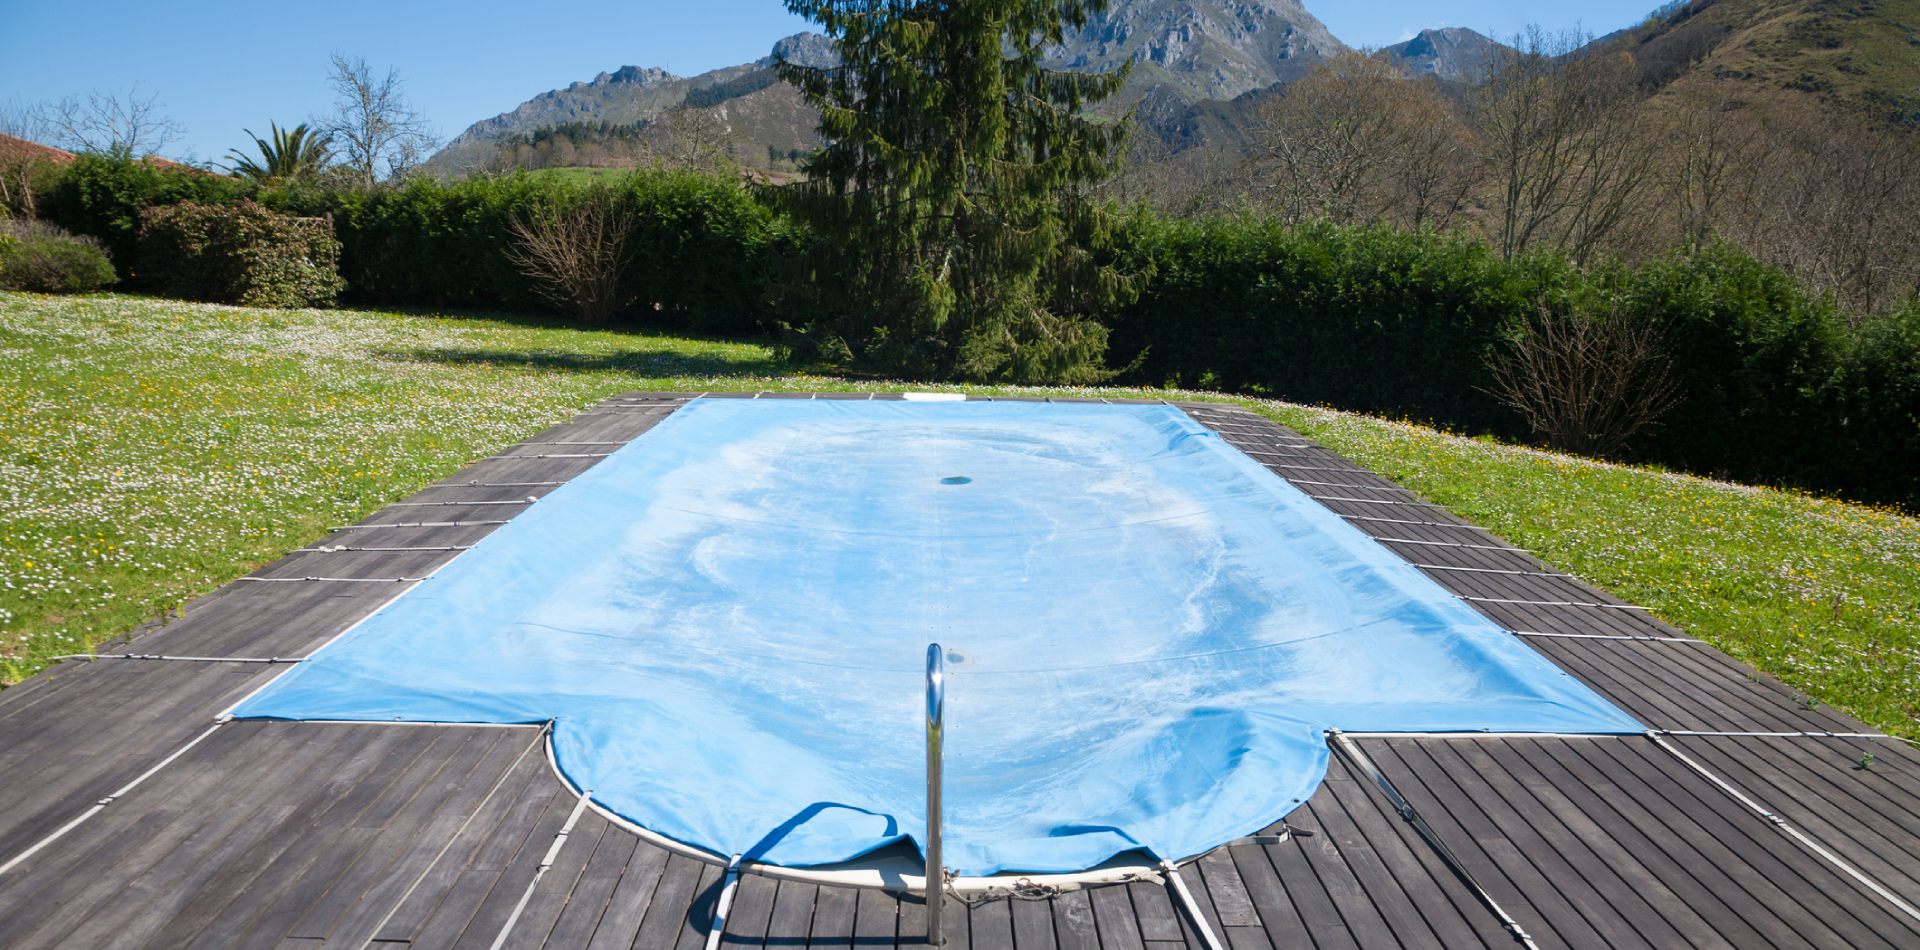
[[950, 200]]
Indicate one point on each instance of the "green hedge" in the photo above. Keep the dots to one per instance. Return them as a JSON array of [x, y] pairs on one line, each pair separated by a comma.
[[240, 254], [1753, 356], [1371, 319], [710, 257], [707, 255], [1876, 398], [102, 197], [1774, 385]]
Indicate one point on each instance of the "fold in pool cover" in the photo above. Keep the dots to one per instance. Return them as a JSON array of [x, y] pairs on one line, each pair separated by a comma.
[[1147, 632]]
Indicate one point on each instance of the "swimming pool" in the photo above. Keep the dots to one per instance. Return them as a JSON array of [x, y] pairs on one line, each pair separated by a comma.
[[726, 620]]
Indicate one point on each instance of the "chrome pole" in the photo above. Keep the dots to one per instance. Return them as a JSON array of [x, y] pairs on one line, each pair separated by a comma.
[[936, 708], [717, 931]]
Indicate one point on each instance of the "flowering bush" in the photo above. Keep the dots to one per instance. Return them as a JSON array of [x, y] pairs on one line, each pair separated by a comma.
[[240, 253]]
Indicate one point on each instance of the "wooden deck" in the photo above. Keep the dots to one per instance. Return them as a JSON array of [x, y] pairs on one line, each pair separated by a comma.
[[268, 834]]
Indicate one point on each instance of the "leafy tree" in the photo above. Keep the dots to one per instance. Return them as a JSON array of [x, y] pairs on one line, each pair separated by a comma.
[[290, 155], [950, 197]]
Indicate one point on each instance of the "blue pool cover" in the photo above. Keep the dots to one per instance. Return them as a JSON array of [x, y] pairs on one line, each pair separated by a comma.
[[727, 621]]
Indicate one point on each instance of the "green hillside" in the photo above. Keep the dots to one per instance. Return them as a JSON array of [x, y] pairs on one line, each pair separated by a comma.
[[1864, 53]]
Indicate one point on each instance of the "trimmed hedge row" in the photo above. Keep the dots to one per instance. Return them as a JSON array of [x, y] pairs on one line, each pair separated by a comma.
[[1775, 386], [706, 253], [710, 257], [102, 197], [1755, 361], [1371, 319], [1875, 402]]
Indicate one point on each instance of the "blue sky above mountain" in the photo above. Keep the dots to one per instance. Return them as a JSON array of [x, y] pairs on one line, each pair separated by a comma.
[[230, 65]]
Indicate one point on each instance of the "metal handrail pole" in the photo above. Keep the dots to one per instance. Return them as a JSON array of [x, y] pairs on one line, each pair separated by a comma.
[[936, 709]]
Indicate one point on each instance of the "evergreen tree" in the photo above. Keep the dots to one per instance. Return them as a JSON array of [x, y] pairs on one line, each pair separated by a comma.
[[950, 199]]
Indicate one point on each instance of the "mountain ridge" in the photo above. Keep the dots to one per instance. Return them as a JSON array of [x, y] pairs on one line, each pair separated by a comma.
[[1200, 65], [1183, 50]]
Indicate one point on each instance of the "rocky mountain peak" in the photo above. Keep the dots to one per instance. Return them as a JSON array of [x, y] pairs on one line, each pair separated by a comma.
[[1450, 53], [1207, 49], [638, 75], [804, 49]]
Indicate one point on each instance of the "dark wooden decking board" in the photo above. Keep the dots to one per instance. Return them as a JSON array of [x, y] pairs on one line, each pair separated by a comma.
[[1613, 840], [1814, 783], [1869, 814], [333, 835], [97, 728]]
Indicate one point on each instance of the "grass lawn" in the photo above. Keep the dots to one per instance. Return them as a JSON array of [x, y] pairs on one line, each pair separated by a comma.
[[153, 450], [582, 175]]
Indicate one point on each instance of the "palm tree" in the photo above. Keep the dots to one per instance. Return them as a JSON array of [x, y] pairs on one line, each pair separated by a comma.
[[292, 154]]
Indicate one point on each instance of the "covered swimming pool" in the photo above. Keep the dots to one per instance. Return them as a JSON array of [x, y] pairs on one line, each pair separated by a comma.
[[1149, 634]]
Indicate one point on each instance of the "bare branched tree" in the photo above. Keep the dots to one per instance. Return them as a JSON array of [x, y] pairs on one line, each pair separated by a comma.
[[130, 126], [1522, 135], [1834, 198], [1207, 179], [17, 159], [1709, 137], [1434, 178], [578, 254], [373, 124], [1326, 138], [1585, 383], [1615, 154], [1357, 141], [687, 139], [1568, 155], [1140, 170]]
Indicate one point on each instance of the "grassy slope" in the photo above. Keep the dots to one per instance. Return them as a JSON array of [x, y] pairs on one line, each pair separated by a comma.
[[152, 450], [1862, 52]]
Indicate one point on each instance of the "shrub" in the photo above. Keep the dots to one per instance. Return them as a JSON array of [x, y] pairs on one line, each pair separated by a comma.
[[709, 256], [41, 257], [1769, 385], [102, 196], [577, 254], [1584, 382], [243, 254]]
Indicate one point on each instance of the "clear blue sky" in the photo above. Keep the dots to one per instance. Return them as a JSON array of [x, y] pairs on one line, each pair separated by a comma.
[[219, 66]]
